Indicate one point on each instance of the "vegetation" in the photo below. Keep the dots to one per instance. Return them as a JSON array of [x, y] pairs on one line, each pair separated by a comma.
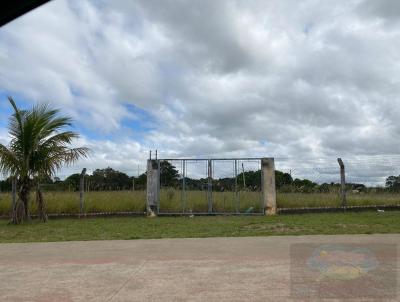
[[134, 201], [220, 226], [38, 148]]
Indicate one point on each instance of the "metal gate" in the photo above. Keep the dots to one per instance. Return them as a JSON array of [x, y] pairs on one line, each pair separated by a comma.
[[208, 186]]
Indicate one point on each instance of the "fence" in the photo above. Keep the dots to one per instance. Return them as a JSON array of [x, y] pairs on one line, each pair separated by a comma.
[[206, 186], [332, 183], [229, 186], [81, 198]]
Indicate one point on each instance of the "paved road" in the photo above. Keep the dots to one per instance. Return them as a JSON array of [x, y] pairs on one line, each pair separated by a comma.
[[286, 268]]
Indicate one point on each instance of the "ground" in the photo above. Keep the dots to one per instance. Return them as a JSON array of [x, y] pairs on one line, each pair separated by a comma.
[[185, 227], [203, 269]]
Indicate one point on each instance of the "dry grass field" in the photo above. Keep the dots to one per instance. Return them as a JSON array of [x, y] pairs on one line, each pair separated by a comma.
[[196, 201]]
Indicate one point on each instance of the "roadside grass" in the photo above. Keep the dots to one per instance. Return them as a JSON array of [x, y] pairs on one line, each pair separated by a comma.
[[186, 227], [196, 201]]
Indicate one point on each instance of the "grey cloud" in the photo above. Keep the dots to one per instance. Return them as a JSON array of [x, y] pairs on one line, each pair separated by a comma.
[[280, 78], [388, 10]]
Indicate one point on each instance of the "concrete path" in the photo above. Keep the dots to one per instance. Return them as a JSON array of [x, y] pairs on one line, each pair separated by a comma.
[[283, 268]]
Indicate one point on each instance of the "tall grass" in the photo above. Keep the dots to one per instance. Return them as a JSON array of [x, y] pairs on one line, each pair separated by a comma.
[[68, 202], [196, 201]]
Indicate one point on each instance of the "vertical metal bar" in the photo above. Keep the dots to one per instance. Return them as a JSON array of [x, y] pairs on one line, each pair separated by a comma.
[[184, 185], [209, 187], [236, 189], [183, 209], [261, 188], [244, 179], [158, 185]]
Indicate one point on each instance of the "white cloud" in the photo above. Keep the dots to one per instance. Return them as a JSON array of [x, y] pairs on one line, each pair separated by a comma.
[[309, 79]]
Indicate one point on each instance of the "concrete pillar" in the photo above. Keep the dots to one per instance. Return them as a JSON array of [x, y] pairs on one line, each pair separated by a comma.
[[342, 183], [153, 187], [268, 185]]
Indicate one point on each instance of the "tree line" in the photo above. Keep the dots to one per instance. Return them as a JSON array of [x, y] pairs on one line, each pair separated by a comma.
[[108, 179]]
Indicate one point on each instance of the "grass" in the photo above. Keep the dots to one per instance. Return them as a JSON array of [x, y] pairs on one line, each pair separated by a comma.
[[196, 201], [184, 227]]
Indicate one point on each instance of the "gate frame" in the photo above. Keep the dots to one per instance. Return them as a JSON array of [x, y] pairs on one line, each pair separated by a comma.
[[268, 189]]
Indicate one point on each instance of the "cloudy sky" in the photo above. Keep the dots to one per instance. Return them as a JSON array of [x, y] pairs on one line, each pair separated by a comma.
[[303, 81]]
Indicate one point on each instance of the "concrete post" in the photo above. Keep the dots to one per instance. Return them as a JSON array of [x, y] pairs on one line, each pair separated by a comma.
[[342, 183], [153, 187], [268, 185]]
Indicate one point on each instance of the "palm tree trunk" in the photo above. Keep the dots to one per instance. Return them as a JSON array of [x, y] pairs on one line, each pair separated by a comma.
[[20, 211], [24, 196], [19, 208], [40, 204]]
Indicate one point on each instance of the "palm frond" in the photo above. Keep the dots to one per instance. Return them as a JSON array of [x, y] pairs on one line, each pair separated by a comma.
[[9, 163], [38, 145]]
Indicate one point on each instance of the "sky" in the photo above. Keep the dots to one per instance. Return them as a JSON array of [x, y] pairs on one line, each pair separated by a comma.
[[305, 82]]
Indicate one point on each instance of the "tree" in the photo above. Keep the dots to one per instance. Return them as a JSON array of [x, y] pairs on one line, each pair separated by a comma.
[[169, 176], [73, 181], [393, 183], [282, 179], [110, 179], [38, 148]]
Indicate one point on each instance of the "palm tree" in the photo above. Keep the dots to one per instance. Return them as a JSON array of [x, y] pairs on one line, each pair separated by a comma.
[[38, 148]]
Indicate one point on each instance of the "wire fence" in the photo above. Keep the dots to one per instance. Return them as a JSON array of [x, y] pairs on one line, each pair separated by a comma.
[[226, 186], [210, 186]]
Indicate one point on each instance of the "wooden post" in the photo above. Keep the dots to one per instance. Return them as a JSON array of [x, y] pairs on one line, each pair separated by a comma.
[[81, 190], [268, 185], [342, 183]]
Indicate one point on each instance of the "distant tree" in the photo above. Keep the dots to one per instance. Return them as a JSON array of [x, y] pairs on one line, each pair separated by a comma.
[[109, 179], [72, 181], [324, 188], [140, 182], [304, 185], [169, 175], [393, 183], [282, 179]]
